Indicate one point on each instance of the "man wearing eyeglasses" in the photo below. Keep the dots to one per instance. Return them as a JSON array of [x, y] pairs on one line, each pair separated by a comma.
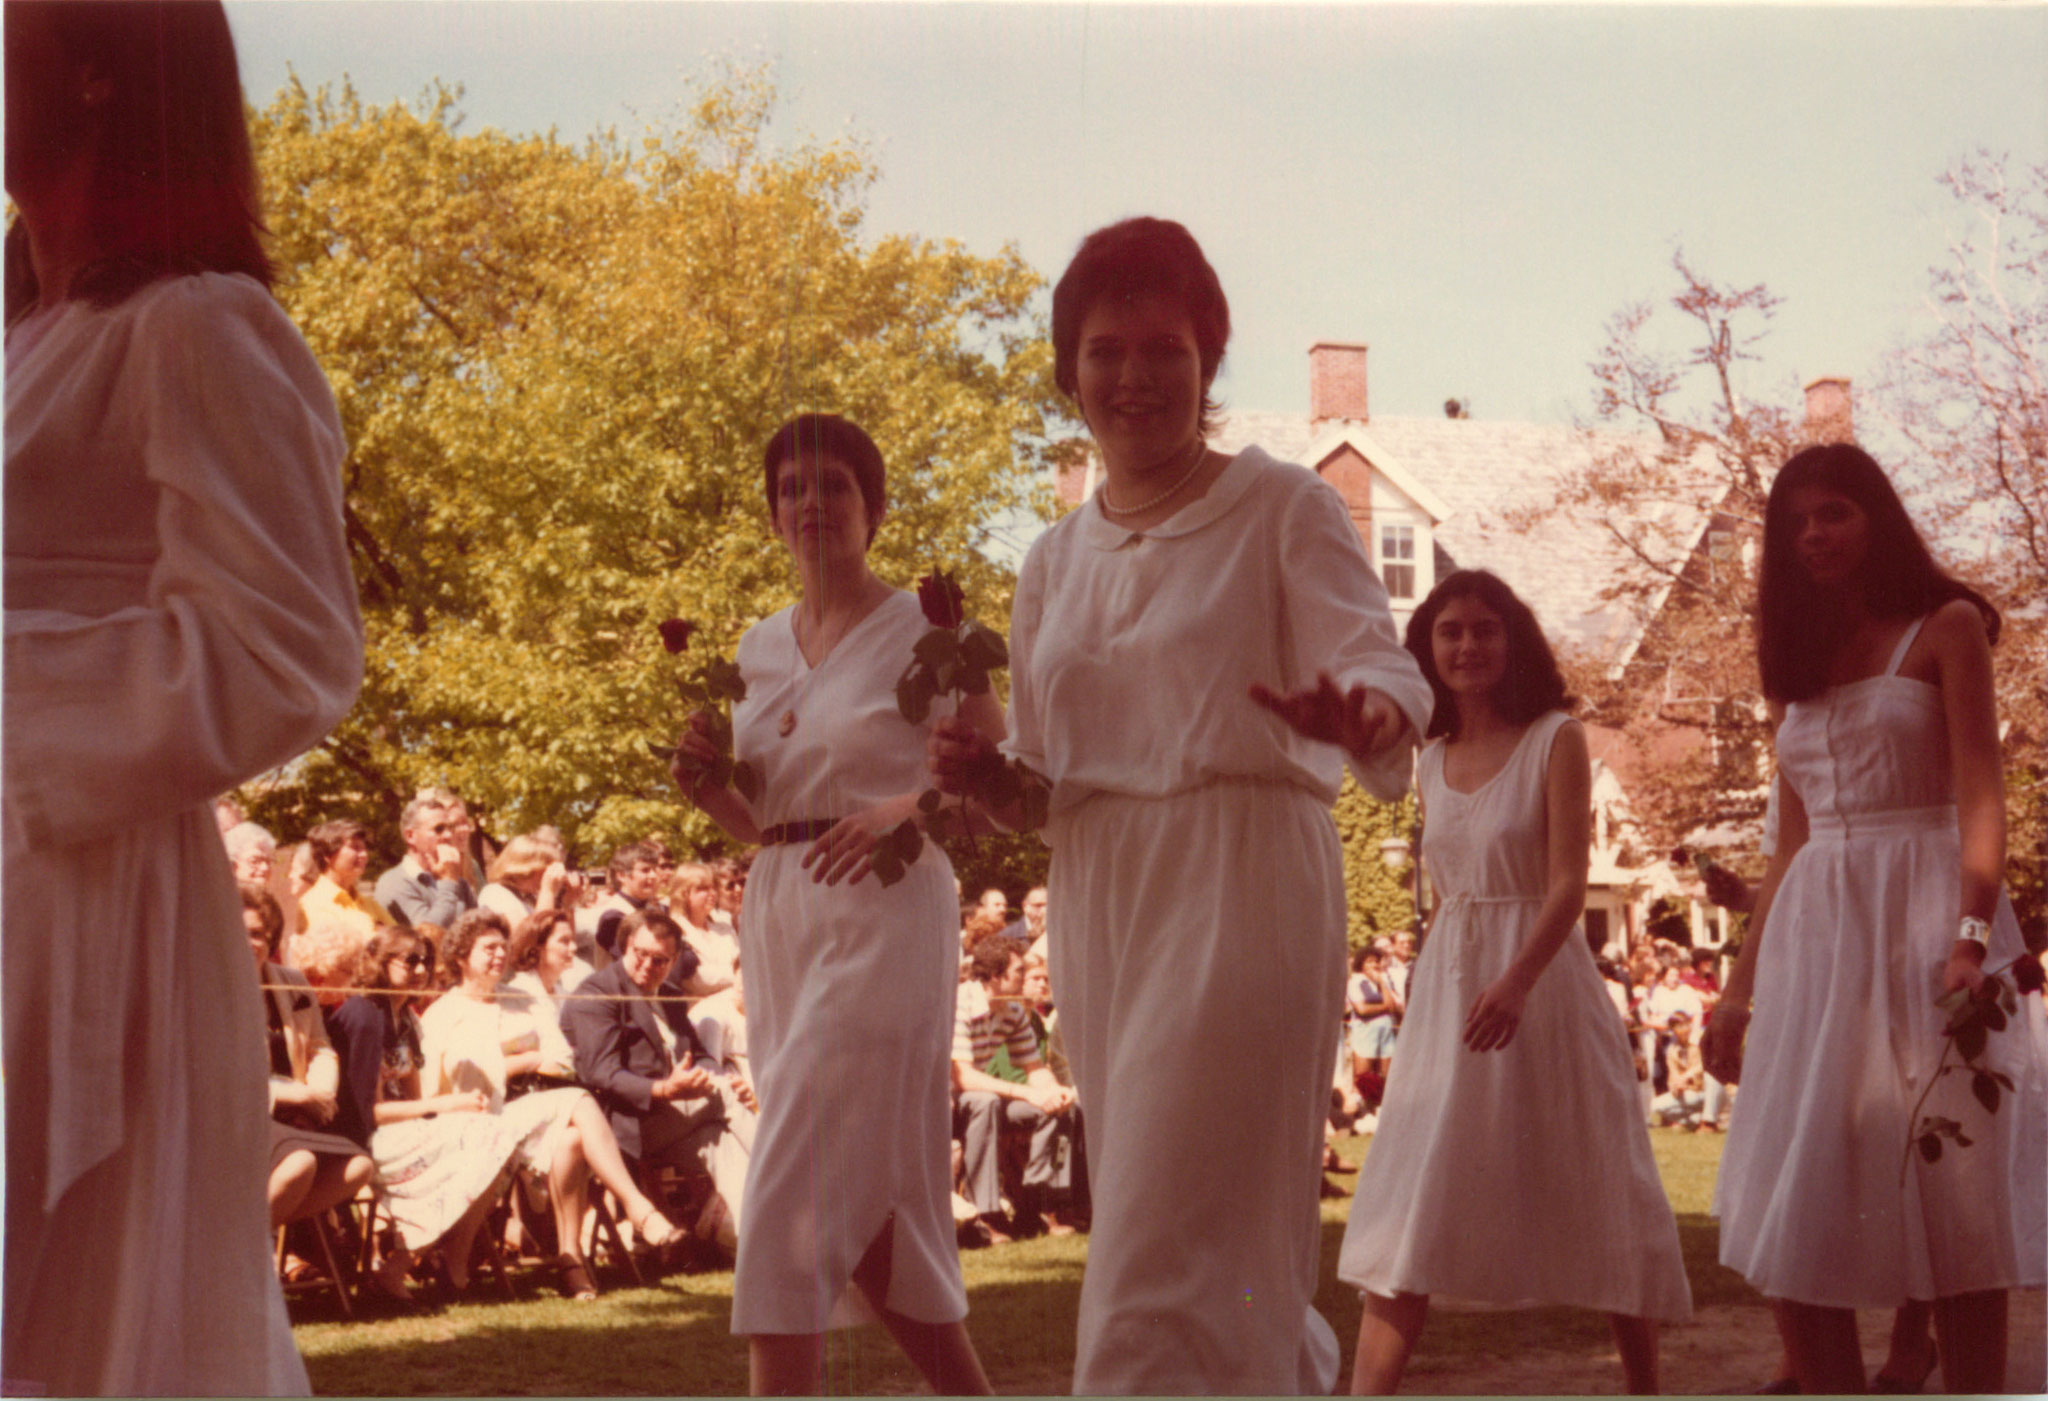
[[636, 1050]]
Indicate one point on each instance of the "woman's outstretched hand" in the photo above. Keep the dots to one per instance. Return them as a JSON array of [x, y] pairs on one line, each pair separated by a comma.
[[1361, 720], [958, 755]]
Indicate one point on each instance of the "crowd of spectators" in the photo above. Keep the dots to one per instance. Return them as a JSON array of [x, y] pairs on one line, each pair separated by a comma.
[[481, 1025], [614, 1002]]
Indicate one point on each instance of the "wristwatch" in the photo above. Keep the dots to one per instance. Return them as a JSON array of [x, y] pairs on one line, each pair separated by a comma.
[[1975, 931]]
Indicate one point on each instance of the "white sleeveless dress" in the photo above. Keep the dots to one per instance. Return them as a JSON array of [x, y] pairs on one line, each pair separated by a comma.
[[850, 994], [1521, 1176], [1845, 1034]]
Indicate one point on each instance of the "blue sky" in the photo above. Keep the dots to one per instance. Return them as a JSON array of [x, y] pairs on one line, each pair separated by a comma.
[[1471, 190]]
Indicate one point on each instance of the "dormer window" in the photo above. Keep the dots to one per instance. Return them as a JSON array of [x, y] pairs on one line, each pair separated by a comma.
[[1397, 560]]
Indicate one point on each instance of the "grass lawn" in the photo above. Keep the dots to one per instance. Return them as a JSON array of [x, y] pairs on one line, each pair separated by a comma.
[[672, 1338]]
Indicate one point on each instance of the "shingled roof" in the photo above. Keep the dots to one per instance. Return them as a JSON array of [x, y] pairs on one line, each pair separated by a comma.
[[1482, 473]]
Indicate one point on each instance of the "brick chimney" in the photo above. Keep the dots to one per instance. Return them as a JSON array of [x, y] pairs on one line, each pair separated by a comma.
[[1336, 381], [1828, 413]]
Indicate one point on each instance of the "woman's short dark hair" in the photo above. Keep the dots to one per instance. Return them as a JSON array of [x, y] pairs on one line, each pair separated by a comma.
[[1799, 623], [1141, 257], [534, 931], [829, 435], [1531, 686], [173, 176], [327, 840], [256, 896], [469, 926]]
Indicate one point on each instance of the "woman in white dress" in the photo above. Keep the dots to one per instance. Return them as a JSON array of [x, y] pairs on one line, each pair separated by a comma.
[[180, 617], [850, 985], [1196, 891], [474, 1039], [1883, 894], [1511, 1167]]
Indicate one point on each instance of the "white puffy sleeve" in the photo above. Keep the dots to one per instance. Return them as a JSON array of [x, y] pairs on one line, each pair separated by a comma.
[[248, 647], [1337, 620]]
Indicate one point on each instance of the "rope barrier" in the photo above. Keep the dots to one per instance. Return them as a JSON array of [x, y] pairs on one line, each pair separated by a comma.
[[408, 993]]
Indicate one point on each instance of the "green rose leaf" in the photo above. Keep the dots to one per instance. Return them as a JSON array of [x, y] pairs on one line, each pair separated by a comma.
[[936, 648], [928, 802], [914, 693], [1930, 1147], [984, 648], [1970, 1041], [1986, 1090]]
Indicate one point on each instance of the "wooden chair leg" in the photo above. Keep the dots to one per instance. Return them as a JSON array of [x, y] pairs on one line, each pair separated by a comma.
[[321, 1234]]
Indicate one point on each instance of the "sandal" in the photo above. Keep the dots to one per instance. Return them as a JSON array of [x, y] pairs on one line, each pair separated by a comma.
[[576, 1282], [654, 1228]]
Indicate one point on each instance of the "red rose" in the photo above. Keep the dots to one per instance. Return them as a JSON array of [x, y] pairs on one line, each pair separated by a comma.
[[2027, 974], [675, 633], [940, 597]]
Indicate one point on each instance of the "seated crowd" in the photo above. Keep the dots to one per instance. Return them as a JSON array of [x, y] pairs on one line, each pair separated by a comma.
[[481, 1027]]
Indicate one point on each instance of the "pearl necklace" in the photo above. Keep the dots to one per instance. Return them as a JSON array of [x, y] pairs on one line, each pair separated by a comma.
[[1102, 495]]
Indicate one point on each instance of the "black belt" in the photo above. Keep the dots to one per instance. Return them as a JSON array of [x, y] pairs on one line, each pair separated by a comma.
[[807, 830]]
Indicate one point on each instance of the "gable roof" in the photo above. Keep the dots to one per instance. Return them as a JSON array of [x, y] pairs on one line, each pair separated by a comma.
[[1481, 474]]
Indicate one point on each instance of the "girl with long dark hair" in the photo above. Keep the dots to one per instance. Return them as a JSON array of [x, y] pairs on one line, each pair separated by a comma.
[[1883, 894], [1511, 1167]]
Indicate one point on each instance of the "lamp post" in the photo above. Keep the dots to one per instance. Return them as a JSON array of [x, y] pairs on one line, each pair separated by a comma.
[[1397, 851]]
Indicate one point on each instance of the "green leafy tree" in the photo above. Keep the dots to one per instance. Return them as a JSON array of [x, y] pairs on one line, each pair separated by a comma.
[[1378, 898], [556, 366]]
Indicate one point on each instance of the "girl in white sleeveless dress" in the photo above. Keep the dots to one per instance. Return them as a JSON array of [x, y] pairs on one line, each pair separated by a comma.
[[1511, 1167], [850, 985], [1883, 893]]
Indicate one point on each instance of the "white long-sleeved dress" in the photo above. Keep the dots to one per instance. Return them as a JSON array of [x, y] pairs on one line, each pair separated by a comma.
[[180, 617], [1197, 906]]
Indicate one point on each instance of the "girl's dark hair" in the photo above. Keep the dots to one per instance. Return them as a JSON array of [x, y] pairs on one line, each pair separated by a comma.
[[388, 942], [1532, 684], [533, 931], [1799, 624], [829, 435], [173, 177], [462, 935], [1141, 258]]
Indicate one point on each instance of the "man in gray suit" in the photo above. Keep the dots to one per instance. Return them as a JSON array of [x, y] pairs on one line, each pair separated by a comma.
[[427, 887]]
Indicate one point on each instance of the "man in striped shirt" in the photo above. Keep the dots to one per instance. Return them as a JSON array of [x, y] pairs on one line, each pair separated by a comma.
[[990, 1015]]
